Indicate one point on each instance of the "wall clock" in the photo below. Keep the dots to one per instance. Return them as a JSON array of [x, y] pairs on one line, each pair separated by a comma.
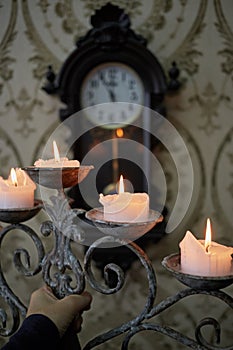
[[111, 63]]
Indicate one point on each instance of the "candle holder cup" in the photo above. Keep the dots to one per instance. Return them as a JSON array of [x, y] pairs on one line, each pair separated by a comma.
[[58, 178], [125, 230], [172, 264], [17, 215]]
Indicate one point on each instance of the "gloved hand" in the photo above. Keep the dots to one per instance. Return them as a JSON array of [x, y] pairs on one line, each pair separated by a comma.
[[65, 313]]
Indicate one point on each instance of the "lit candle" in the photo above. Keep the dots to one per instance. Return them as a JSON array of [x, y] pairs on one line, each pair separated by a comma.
[[205, 257], [17, 191], [125, 206], [57, 161]]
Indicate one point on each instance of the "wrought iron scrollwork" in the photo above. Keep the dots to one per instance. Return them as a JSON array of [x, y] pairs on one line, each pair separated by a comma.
[[15, 305], [97, 286], [209, 321], [140, 323], [61, 256], [60, 267], [109, 267]]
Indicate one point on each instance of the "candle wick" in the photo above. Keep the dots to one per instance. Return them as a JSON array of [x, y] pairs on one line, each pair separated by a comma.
[[207, 248]]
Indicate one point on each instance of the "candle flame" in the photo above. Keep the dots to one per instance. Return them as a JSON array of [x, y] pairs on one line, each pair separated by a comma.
[[121, 185], [56, 152], [208, 235], [13, 177], [119, 132]]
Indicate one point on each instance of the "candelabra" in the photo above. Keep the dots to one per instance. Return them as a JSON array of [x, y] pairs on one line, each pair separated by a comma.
[[57, 264]]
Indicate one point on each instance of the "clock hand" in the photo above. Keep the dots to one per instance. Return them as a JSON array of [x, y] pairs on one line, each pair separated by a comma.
[[110, 83], [112, 95], [110, 91], [103, 80]]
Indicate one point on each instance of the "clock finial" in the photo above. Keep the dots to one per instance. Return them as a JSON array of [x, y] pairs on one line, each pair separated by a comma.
[[111, 29], [108, 15]]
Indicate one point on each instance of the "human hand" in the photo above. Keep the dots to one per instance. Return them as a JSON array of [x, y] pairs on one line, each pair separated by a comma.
[[64, 313]]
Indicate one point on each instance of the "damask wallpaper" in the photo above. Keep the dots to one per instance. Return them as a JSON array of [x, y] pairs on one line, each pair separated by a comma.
[[198, 36]]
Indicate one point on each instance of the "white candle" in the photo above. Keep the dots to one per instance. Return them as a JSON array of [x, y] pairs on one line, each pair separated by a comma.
[[57, 161], [125, 206], [205, 257], [17, 191]]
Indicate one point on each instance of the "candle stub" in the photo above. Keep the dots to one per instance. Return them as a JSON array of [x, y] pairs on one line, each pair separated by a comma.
[[200, 259], [125, 207], [53, 163], [17, 191], [57, 161]]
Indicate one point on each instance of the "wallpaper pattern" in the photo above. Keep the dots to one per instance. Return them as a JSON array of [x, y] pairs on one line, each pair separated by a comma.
[[198, 35]]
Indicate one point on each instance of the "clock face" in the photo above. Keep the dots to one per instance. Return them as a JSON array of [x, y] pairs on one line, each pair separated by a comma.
[[112, 82]]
